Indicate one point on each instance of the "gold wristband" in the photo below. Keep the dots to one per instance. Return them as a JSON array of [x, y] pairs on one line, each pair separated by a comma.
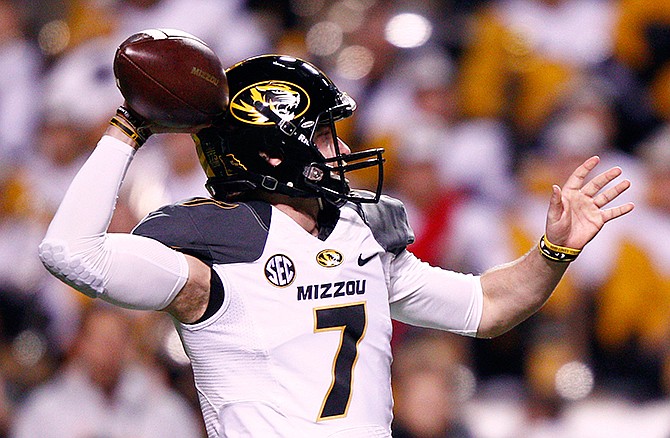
[[557, 253], [127, 130]]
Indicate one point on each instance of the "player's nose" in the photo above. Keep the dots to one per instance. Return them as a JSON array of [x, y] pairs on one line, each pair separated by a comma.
[[343, 147]]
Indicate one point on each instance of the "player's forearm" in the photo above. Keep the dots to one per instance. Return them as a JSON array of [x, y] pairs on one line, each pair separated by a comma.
[[90, 200], [516, 290]]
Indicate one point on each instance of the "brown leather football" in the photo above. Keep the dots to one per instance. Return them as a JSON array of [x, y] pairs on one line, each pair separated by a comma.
[[172, 79]]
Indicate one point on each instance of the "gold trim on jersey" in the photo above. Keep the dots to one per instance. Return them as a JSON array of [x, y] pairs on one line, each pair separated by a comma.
[[208, 201]]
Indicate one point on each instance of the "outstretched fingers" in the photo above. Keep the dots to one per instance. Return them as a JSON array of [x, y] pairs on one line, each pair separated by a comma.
[[615, 212], [576, 212], [597, 183], [576, 180], [611, 193], [600, 199]]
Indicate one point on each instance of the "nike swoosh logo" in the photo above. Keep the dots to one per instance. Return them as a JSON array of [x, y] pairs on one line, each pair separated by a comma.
[[363, 261]]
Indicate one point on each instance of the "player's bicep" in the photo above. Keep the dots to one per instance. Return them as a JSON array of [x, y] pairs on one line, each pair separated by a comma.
[[192, 300]]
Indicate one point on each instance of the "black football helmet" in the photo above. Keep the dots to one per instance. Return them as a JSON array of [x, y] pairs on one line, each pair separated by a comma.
[[277, 104]]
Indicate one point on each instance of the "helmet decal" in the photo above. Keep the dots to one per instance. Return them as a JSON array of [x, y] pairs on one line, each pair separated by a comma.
[[213, 163], [231, 162], [287, 100]]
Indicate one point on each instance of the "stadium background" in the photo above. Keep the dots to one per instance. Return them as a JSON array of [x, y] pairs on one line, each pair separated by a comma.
[[481, 105]]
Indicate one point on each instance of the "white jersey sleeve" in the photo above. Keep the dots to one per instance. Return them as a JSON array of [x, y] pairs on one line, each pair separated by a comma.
[[427, 296], [126, 270], [420, 294]]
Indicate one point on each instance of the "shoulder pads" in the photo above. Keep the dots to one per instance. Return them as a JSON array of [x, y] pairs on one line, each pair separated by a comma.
[[387, 220]]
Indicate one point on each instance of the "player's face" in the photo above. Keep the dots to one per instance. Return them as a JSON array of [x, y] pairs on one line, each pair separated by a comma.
[[323, 138]]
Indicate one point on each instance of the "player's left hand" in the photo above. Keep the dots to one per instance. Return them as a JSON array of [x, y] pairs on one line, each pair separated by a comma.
[[576, 210]]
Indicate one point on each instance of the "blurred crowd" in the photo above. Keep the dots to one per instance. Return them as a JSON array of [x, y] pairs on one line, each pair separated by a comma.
[[481, 107]]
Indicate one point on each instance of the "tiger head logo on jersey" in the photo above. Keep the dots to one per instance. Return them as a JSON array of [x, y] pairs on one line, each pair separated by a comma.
[[329, 258], [287, 100]]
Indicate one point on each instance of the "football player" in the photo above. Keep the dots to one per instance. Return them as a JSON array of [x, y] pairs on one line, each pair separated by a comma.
[[284, 282]]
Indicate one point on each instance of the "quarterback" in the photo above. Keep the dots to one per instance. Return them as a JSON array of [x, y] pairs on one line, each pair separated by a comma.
[[283, 284]]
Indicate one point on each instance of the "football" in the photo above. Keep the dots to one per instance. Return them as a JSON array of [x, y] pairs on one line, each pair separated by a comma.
[[172, 79]]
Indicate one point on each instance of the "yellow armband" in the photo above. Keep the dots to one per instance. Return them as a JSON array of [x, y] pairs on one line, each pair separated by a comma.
[[557, 253]]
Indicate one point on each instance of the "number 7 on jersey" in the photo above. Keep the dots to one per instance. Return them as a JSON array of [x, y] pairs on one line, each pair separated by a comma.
[[351, 320]]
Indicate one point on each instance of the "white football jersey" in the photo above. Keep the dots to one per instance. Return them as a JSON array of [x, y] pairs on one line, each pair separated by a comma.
[[296, 340]]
